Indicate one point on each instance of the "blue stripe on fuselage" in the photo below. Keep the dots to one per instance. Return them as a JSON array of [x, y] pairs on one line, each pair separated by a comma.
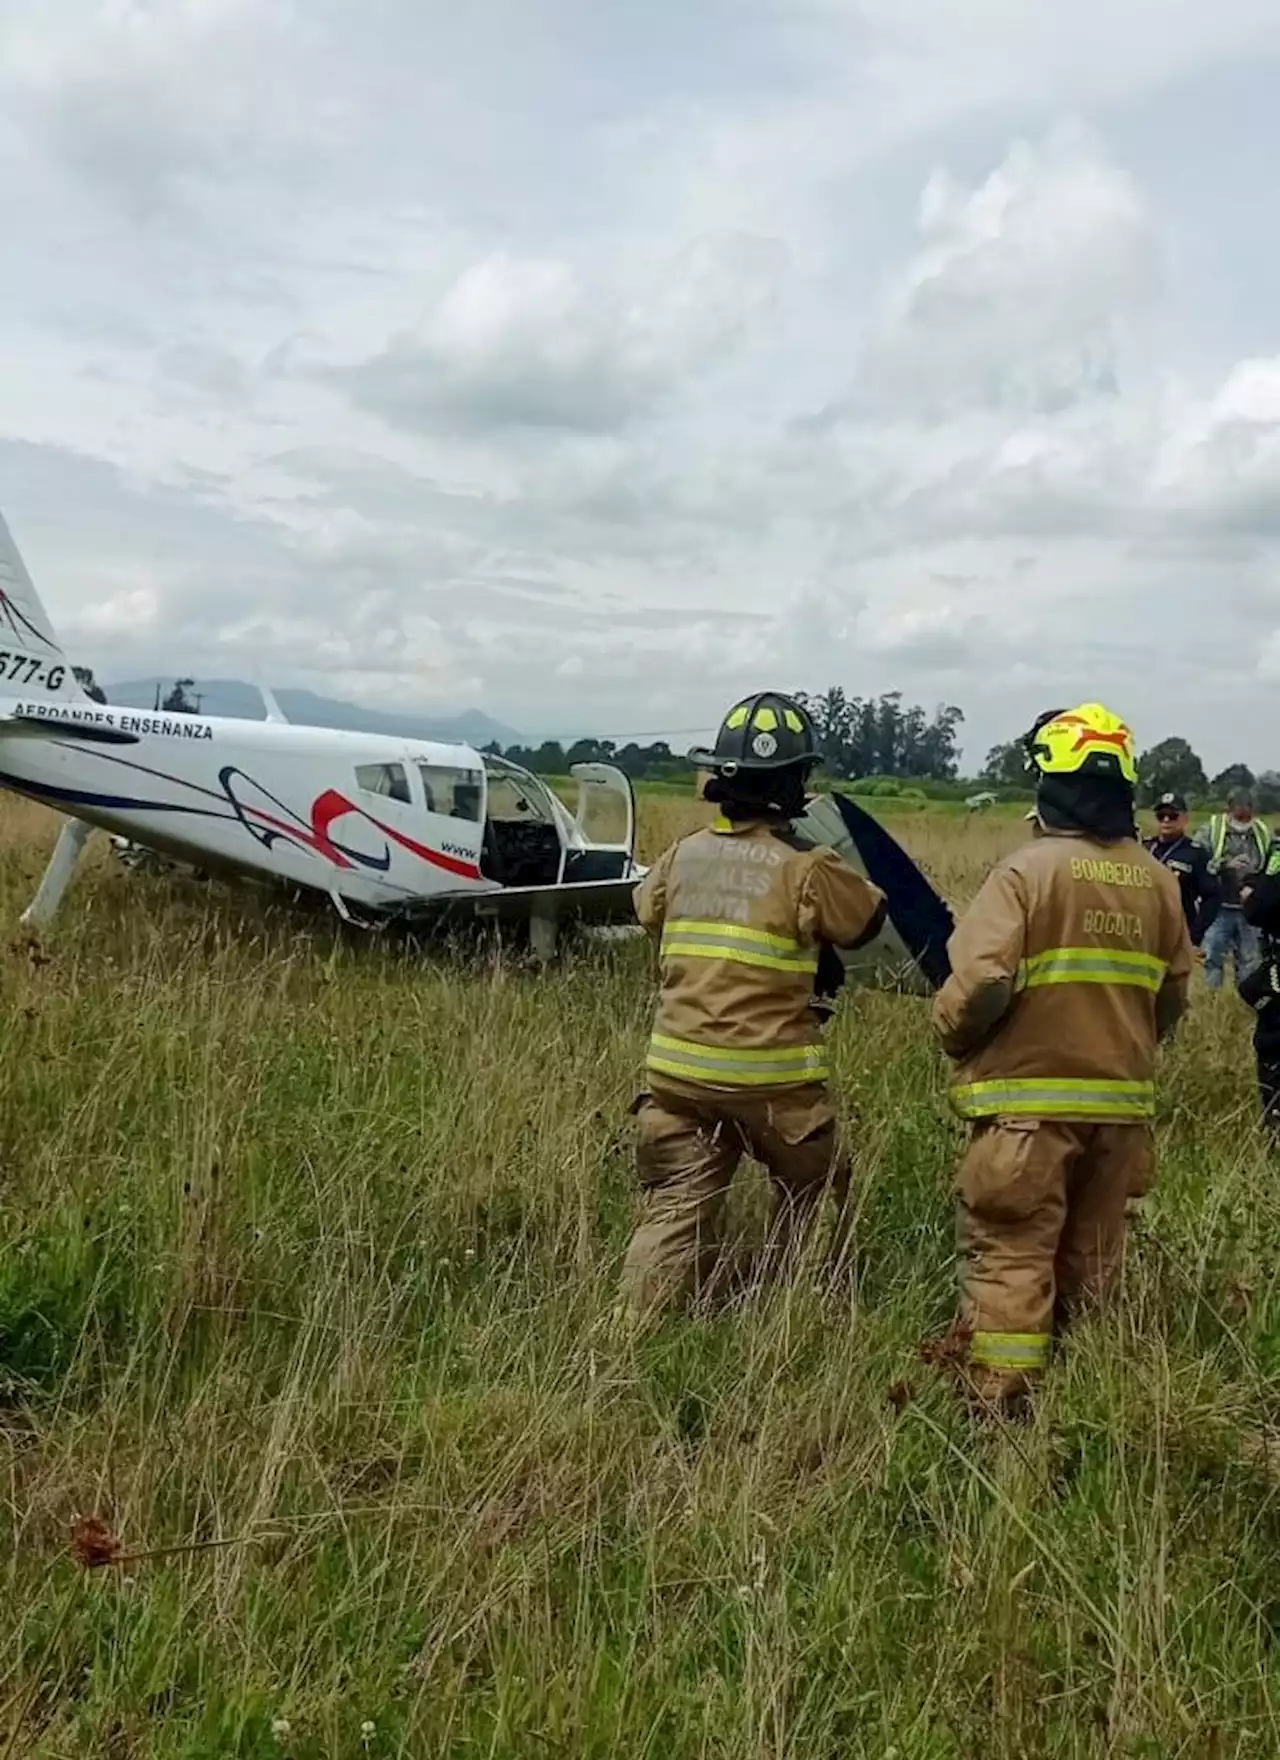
[[83, 797]]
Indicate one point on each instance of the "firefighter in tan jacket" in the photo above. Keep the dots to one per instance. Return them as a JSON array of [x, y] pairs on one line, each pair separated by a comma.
[[1072, 962], [736, 1061]]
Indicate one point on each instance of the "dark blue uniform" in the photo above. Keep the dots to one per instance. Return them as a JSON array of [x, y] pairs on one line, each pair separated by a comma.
[[1261, 990], [1191, 866]]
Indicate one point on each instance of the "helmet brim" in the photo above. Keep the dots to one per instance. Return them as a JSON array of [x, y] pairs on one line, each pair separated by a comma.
[[703, 759]]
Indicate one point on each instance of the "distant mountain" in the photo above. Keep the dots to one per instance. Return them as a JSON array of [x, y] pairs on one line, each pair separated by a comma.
[[234, 698]]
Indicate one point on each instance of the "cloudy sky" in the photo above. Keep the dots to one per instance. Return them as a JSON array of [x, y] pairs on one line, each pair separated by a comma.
[[592, 361]]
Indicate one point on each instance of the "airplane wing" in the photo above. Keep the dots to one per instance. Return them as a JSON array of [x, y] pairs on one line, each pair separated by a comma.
[[58, 727], [584, 901]]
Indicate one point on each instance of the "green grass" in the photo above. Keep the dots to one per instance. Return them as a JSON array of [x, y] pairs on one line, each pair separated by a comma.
[[308, 1248]]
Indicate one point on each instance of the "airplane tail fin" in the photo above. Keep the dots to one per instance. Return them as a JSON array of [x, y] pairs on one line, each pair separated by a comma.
[[31, 658]]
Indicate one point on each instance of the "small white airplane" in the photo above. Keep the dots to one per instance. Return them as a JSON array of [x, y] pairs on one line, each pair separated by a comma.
[[382, 826]]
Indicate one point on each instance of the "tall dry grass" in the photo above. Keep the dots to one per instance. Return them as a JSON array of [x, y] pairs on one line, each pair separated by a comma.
[[307, 1248]]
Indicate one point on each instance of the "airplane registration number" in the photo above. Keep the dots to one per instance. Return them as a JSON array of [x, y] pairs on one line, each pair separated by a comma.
[[21, 669]]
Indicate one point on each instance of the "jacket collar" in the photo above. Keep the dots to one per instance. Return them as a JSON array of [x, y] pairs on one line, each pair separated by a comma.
[[735, 827]]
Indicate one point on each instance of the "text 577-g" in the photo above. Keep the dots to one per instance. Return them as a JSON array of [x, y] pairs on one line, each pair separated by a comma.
[[21, 669]]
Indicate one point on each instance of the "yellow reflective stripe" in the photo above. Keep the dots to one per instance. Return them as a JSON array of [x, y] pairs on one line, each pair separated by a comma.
[[737, 1067], [1010, 1350], [1050, 1097], [731, 941], [1091, 965], [721, 1075], [1120, 956], [1060, 1084], [733, 931], [689, 948], [740, 1053]]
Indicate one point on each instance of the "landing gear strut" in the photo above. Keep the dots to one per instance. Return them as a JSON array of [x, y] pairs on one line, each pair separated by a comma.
[[57, 876]]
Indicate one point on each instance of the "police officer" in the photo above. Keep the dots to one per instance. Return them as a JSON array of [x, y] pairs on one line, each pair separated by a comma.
[[1073, 960], [1189, 862], [736, 1062]]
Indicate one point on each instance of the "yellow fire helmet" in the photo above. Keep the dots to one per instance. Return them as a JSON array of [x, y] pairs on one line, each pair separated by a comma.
[[1088, 741]]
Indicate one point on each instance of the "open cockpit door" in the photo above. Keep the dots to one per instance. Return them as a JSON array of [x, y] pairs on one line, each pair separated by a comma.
[[524, 828], [604, 823]]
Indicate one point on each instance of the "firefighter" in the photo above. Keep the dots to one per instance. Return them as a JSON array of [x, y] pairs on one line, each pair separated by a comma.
[[736, 1062], [1073, 960]]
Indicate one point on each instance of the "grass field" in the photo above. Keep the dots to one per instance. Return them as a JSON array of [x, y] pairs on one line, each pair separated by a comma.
[[306, 1251]]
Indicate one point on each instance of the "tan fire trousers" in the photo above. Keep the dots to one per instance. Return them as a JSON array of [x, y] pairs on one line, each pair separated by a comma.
[[1041, 1230], [688, 1149]]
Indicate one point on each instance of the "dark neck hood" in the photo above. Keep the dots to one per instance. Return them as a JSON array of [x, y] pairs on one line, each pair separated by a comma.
[[1091, 807], [756, 795]]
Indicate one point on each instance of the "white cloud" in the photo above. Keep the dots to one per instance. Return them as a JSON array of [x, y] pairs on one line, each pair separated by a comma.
[[145, 99], [527, 343], [603, 362], [1023, 289]]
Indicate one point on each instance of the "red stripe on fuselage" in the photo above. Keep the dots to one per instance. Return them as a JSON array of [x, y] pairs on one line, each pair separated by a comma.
[[332, 806]]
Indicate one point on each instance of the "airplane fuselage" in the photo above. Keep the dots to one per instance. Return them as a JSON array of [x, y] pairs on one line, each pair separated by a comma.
[[372, 818], [369, 819]]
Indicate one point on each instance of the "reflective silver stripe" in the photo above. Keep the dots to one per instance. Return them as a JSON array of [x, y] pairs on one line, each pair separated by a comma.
[[1092, 965], [1046, 1096], [1010, 1350], [737, 1067], [711, 939], [1090, 972], [735, 932], [741, 949]]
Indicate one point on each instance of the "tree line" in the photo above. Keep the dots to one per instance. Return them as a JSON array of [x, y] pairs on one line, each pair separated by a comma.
[[1169, 767], [650, 763], [880, 737], [882, 741]]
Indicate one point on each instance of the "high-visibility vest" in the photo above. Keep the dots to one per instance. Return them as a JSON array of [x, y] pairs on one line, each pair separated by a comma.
[[1218, 829]]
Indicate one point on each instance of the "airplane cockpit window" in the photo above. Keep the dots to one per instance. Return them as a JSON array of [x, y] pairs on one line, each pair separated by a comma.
[[512, 800], [389, 780], [456, 793]]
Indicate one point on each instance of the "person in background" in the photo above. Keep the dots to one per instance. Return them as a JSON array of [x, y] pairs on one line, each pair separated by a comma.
[[1238, 845], [1188, 862]]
